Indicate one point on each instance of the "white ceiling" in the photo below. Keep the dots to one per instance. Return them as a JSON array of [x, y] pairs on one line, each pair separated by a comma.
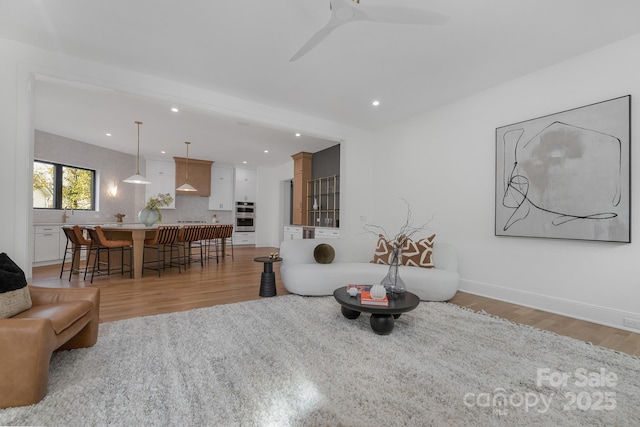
[[242, 49], [88, 114]]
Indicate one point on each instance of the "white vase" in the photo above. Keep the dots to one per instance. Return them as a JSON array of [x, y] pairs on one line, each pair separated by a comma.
[[148, 216], [315, 204]]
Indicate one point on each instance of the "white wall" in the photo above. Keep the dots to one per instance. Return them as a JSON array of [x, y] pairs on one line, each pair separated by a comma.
[[443, 163], [268, 203]]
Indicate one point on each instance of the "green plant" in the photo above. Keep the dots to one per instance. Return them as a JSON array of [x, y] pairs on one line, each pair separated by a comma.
[[160, 200]]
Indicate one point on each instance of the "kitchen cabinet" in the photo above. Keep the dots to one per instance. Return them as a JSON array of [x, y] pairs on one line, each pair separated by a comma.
[[199, 176], [245, 185], [244, 238], [327, 233], [162, 175], [221, 198], [46, 245], [291, 233], [324, 201]]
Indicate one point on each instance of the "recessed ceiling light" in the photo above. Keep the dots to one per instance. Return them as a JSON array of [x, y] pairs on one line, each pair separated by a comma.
[[245, 162], [108, 134], [266, 151], [175, 110], [163, 152], [375, 103], [298, 134]]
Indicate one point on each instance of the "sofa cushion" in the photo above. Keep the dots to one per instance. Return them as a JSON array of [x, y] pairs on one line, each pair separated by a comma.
[[62, 314], [14, 294], [418, 254], [324, 253], [382, 254]]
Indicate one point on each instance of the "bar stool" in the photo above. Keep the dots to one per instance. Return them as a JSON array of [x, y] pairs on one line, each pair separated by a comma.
[[226, 237], [210, 233], [76, 242], [100, 244], [166, 236], [189, 235]]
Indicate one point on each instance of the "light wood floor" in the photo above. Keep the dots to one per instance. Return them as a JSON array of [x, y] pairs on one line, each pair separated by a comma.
[[238, 279]]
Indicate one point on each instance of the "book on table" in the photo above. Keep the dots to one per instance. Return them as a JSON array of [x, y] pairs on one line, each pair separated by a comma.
[[366, 299]]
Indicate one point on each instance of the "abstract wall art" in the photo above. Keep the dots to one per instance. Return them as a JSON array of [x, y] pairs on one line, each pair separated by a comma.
[[566, 175]]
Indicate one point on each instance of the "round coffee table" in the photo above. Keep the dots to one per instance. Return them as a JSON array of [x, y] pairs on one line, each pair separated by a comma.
[[268, 279], [382, 318]]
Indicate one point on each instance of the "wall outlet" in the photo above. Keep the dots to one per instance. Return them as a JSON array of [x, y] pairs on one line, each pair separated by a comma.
[[631, 323]]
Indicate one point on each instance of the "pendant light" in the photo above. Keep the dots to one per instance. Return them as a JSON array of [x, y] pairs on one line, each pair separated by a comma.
[[186, 186], [137, 178]]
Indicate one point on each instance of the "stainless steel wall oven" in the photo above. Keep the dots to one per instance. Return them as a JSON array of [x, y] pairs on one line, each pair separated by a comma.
[[245, 216]]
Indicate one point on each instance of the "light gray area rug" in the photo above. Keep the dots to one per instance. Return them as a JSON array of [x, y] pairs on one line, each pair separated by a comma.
[[291, 360]]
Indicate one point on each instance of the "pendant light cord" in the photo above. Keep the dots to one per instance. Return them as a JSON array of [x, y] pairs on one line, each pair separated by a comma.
[[186, 178], [138, 155]]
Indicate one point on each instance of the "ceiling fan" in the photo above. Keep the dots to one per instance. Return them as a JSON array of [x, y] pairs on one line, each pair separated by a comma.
[[345, 11]]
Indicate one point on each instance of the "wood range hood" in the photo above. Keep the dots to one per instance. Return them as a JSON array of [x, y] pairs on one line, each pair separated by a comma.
[[199, 176]]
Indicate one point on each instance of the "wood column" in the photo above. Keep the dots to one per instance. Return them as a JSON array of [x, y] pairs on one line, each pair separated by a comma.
[[301, 175]]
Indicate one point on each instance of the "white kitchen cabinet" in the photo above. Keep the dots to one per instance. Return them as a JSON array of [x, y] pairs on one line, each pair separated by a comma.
[[244, 238], [46, 245], [245, 185], [162, 175], [221, 198], [291, 233], [327, 233]]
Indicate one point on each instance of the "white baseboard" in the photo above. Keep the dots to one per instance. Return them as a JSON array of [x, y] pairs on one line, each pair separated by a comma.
[[577, 310]]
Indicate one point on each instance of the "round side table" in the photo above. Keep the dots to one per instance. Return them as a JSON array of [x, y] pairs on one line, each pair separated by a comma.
[[268, 279]]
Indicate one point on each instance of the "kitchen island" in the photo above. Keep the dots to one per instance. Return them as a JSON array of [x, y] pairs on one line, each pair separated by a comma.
[[135, 232], [138, 233]]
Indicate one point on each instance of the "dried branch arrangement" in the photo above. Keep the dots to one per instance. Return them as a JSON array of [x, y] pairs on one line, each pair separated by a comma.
[[406, 231]]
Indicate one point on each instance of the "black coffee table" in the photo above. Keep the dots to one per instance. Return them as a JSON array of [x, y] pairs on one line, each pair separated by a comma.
[[382, 318]]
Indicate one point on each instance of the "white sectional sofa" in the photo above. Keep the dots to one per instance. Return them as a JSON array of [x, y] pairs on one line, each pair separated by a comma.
[[302, 275]]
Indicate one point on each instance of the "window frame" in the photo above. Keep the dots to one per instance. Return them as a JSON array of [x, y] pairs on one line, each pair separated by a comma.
[[58, 185]]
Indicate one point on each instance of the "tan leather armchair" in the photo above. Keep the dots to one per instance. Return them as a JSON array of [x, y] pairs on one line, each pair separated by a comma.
[[60, 319]]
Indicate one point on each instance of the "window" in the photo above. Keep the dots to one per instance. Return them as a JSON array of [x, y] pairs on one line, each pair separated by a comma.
[[57, 186]]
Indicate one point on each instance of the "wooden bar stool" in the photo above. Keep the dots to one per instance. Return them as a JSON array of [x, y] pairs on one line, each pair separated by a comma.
[[216, 234], [189, 235], [205, 237], [166, 236], [76, 242], [226, 237], [100, 244]]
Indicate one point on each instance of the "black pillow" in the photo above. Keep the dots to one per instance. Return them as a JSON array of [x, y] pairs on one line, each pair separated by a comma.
[[324, 253], [11, 276], [14, 294]]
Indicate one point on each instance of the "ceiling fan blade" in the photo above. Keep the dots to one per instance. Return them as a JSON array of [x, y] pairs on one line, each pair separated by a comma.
[[331, 25], [402, 15]]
